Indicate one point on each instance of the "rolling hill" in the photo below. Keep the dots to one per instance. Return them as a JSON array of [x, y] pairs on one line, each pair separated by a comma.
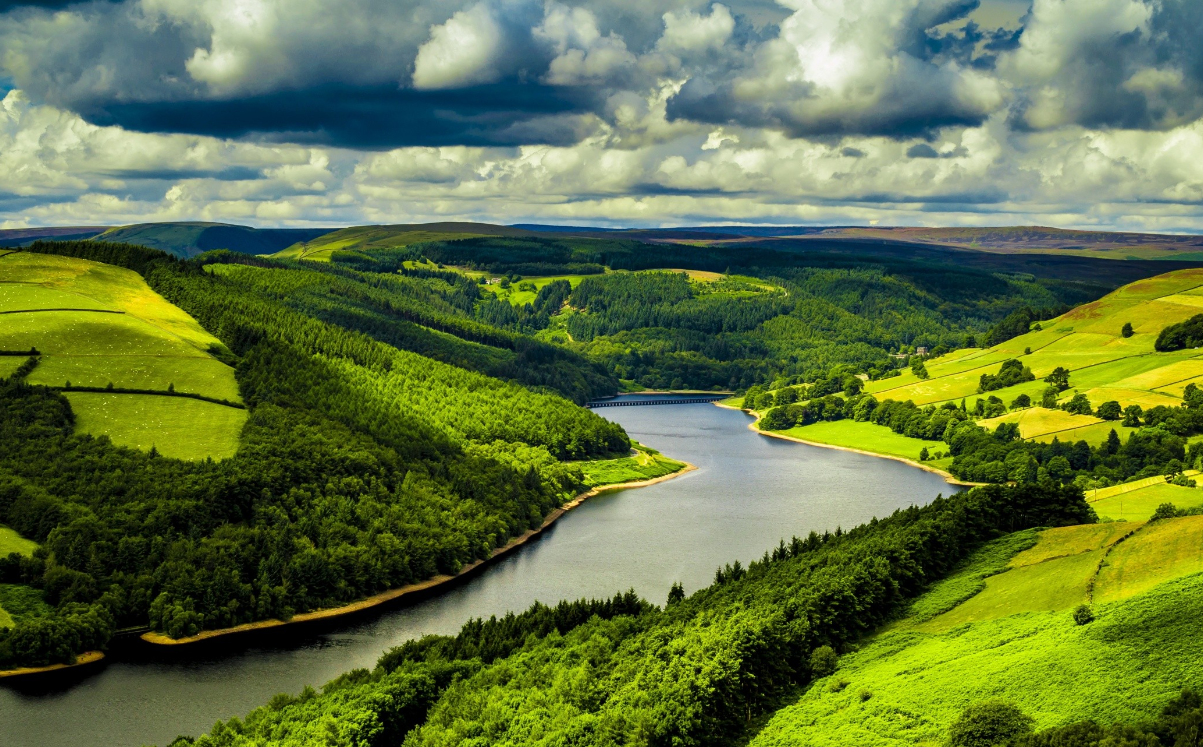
[[1088, 341], [1003, 621], [368, 238], [190, 239], [16, 237], [115, 348]]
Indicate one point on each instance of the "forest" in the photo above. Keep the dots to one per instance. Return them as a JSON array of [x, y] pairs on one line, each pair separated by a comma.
[[772, 313], [362, 467]]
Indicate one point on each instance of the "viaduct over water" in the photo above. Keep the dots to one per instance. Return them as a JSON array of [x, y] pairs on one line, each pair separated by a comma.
[[643, 402]]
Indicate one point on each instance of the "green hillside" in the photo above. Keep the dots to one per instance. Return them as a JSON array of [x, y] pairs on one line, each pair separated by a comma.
[[96, 326], [343, 465], [370, 238], [1014, 637], [834, 307], [188, 239], [1104, 365]]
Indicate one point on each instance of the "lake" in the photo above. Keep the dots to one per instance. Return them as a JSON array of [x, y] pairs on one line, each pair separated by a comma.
[[748, 492]]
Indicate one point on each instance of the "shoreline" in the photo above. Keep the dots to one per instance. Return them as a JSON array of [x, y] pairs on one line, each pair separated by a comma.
[[948, 477], [158, 639], [87, 658]]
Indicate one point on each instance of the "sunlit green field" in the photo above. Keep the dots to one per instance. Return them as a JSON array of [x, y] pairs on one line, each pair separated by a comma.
[[645, 464], [176, 426], [907, 685], [118, 331], [206, 376], [11, 542], [1086, 341], [363, 237], [9, 364], [1137, 502], [866, 437], [11, 595], [518, 297]]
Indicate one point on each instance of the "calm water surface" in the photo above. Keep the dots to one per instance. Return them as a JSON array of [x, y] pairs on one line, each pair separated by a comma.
[[748, 492]]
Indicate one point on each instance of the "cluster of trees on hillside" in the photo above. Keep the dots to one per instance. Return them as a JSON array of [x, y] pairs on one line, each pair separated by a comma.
[[444, 316], [830, 309], [1011, 372], [981, 455], [1019, 322], [1160, 449], [1002, 723], [696, 671], [361, 468], [1187, 334]]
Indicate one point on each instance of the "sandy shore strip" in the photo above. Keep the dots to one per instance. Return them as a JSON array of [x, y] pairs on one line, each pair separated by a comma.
[[84, 659], [428, 584]]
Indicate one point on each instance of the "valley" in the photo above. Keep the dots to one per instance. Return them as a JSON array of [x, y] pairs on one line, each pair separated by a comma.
[[301, 437]]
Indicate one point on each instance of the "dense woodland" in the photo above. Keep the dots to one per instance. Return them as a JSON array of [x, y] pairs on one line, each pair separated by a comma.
[[697, 671], [362, 467], [793, 313]]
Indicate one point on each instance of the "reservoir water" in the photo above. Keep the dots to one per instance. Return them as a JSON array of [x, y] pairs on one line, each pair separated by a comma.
[[748, 492]]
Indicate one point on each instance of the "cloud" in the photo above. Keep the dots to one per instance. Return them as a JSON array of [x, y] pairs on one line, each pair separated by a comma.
[[921, 150], [1083, 112], [848, 66], [1108, 63], [583, 55], [461, 52], [686, 32]]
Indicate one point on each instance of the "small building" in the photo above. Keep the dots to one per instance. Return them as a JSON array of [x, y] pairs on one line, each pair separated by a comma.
[[921, 350]]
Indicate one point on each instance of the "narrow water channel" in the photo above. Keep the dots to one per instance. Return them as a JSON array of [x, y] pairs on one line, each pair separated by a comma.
[[747, 493]]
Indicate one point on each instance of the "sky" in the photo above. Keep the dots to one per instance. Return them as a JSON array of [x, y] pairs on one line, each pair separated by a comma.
[[1070, 113]]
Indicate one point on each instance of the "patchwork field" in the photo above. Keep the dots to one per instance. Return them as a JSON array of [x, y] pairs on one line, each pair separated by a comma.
[[1087, 341], [907, 685], [96, 325], [1087, 337], [1136, 501]]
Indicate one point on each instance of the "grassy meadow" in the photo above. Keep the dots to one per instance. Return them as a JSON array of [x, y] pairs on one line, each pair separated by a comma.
[[644, 463], [1087, 341], [364, 238], [1137, 500], [177, 427], [1009, 626], [518, 295], [869, 437], [14, 599], [96, 325]]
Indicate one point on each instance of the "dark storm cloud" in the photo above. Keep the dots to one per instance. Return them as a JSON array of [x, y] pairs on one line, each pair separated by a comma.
[[382, 117], [7, 5], [921, 150]]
